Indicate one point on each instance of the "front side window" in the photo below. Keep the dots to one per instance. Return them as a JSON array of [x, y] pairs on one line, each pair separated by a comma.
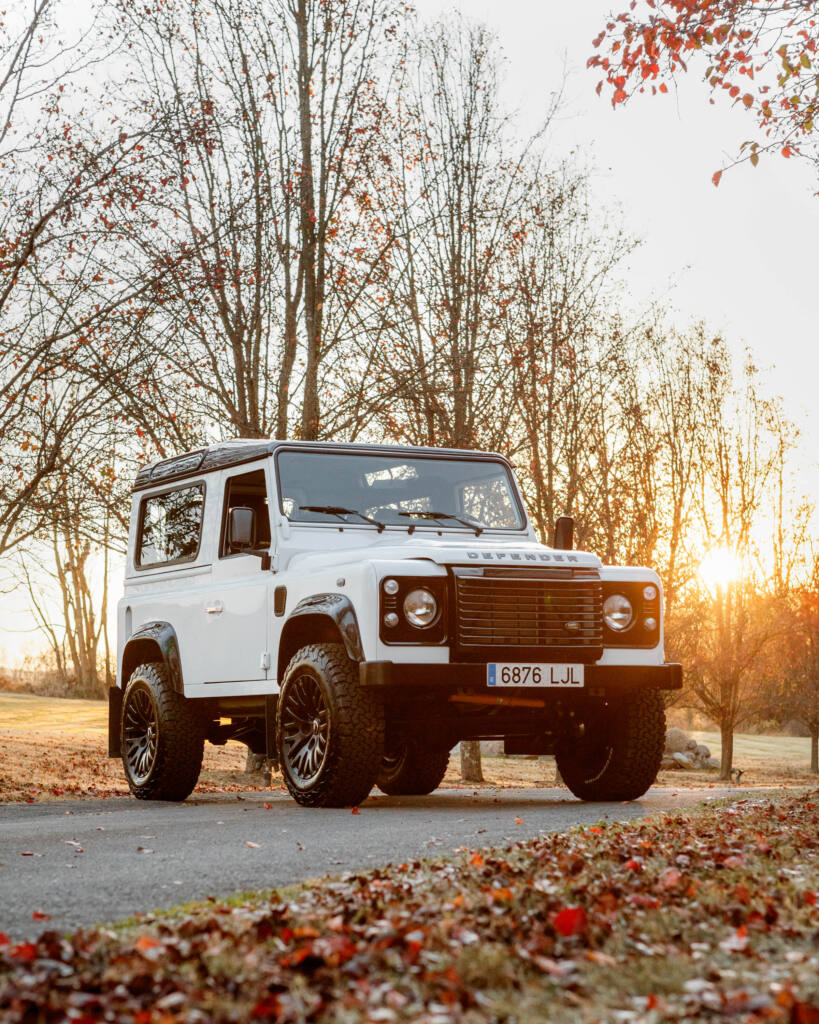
[[248, 490], [170, 526], [397, 490]]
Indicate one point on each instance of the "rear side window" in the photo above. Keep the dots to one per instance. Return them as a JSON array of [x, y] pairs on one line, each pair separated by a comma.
[[170, 527]]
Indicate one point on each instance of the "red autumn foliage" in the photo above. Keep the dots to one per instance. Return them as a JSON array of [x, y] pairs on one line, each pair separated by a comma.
[[763, 56]]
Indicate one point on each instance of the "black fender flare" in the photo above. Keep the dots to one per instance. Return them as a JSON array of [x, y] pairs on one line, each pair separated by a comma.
[[338, 608], [141, 646]]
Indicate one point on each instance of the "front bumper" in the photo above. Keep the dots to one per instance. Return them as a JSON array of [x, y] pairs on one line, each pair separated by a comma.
[[385, 675]]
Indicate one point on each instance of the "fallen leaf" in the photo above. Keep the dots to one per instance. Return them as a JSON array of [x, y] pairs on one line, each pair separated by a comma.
[[570, 921], [253, 846]]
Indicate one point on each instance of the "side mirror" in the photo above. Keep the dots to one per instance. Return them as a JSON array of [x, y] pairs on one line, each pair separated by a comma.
[[241, 529], [564, 533], [242, 534]]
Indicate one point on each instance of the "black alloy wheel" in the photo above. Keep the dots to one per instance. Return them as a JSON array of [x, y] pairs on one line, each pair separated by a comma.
[[305, 719], [329, 729], [140, 732], [161, 736]]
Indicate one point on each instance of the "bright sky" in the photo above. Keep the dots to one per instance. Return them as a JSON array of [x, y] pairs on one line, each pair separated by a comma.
[[739, 256]]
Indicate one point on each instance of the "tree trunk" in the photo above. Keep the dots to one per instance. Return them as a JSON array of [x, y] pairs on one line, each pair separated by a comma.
[[471, 761], [727, 759], [258, 764], [814, 748]]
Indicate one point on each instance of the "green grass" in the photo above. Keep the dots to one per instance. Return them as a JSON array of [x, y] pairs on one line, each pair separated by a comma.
[[23, 711], [791, 749]]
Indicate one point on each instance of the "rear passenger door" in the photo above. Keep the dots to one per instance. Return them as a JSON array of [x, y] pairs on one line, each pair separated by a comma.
[[234, 613]]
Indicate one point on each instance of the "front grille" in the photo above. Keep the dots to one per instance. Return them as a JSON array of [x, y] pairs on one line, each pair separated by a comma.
[[562, 614]]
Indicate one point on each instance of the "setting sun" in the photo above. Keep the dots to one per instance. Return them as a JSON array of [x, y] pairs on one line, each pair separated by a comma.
[[720, 567]]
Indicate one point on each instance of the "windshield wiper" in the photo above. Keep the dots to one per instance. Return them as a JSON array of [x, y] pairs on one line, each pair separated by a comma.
[[336, 510], [444, 515]]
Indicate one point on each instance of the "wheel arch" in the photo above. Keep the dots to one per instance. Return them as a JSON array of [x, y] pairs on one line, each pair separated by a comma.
[[322, 618], [155, 641]]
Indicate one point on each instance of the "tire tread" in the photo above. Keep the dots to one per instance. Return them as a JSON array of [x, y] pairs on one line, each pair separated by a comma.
[[180, 743]]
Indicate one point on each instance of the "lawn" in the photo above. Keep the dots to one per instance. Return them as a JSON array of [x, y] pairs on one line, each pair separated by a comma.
[[709, 915], [52, 748]]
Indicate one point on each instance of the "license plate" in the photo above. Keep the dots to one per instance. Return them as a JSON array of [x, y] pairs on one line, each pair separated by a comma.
[[517, 674]]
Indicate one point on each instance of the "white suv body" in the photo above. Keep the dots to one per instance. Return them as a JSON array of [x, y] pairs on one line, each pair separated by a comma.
[[244, 554]]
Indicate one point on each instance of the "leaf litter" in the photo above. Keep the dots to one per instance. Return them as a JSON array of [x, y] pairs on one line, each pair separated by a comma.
[[719, 923]]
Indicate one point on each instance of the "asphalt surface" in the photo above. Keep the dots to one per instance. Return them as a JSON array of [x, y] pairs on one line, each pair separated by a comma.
[[86, 862]]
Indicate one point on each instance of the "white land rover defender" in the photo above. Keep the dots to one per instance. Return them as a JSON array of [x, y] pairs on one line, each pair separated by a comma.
[[355, 610]]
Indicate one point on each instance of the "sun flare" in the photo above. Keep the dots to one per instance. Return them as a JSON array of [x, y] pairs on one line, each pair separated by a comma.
[[720, 567]]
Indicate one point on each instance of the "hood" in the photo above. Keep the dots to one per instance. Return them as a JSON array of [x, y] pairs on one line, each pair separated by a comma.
[[475, 551]]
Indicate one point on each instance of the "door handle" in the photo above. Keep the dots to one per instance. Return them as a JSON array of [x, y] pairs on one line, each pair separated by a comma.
[[214, 609]]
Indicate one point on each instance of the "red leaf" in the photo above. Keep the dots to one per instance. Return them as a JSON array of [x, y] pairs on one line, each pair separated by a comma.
[[354, 811], [270, 1006], [25, 951], [570, 921], [38, 915], [786, 151], [716, 177], [4, 939], [476, 860], [145, 942]]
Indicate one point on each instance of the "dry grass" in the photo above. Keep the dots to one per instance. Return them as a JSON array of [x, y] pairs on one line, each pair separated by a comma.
[[52, 748]]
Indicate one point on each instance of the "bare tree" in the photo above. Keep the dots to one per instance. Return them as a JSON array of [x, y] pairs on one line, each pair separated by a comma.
[[272, 119]]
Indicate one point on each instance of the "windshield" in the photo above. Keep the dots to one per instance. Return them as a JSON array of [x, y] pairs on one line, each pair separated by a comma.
[[407, 491]]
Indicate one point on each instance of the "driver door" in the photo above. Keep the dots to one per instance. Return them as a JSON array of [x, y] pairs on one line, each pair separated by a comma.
[[234, 614]]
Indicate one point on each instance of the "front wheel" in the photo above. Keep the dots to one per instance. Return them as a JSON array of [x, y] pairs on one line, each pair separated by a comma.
[[614, 753], [329, 731], [161, 737], [410, 768]]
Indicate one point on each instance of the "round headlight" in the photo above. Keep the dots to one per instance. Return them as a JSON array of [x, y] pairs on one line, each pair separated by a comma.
[[617, 612], [649, 592], [390, 586], [420, 608]]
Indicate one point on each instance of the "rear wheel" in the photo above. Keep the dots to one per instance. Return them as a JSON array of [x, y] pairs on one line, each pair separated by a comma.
[[409, 768], [161, 737], [329, 731], [615, 752]]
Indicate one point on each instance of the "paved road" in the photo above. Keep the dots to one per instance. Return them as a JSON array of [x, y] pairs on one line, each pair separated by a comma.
[[104, 860]]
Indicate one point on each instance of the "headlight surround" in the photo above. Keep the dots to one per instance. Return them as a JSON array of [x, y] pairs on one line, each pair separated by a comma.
[[618, 613], [420, 608]]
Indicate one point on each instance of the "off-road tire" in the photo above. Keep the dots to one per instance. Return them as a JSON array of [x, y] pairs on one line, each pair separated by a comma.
[[354, 741], [179, 737], [619, 756], [412, 769]]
